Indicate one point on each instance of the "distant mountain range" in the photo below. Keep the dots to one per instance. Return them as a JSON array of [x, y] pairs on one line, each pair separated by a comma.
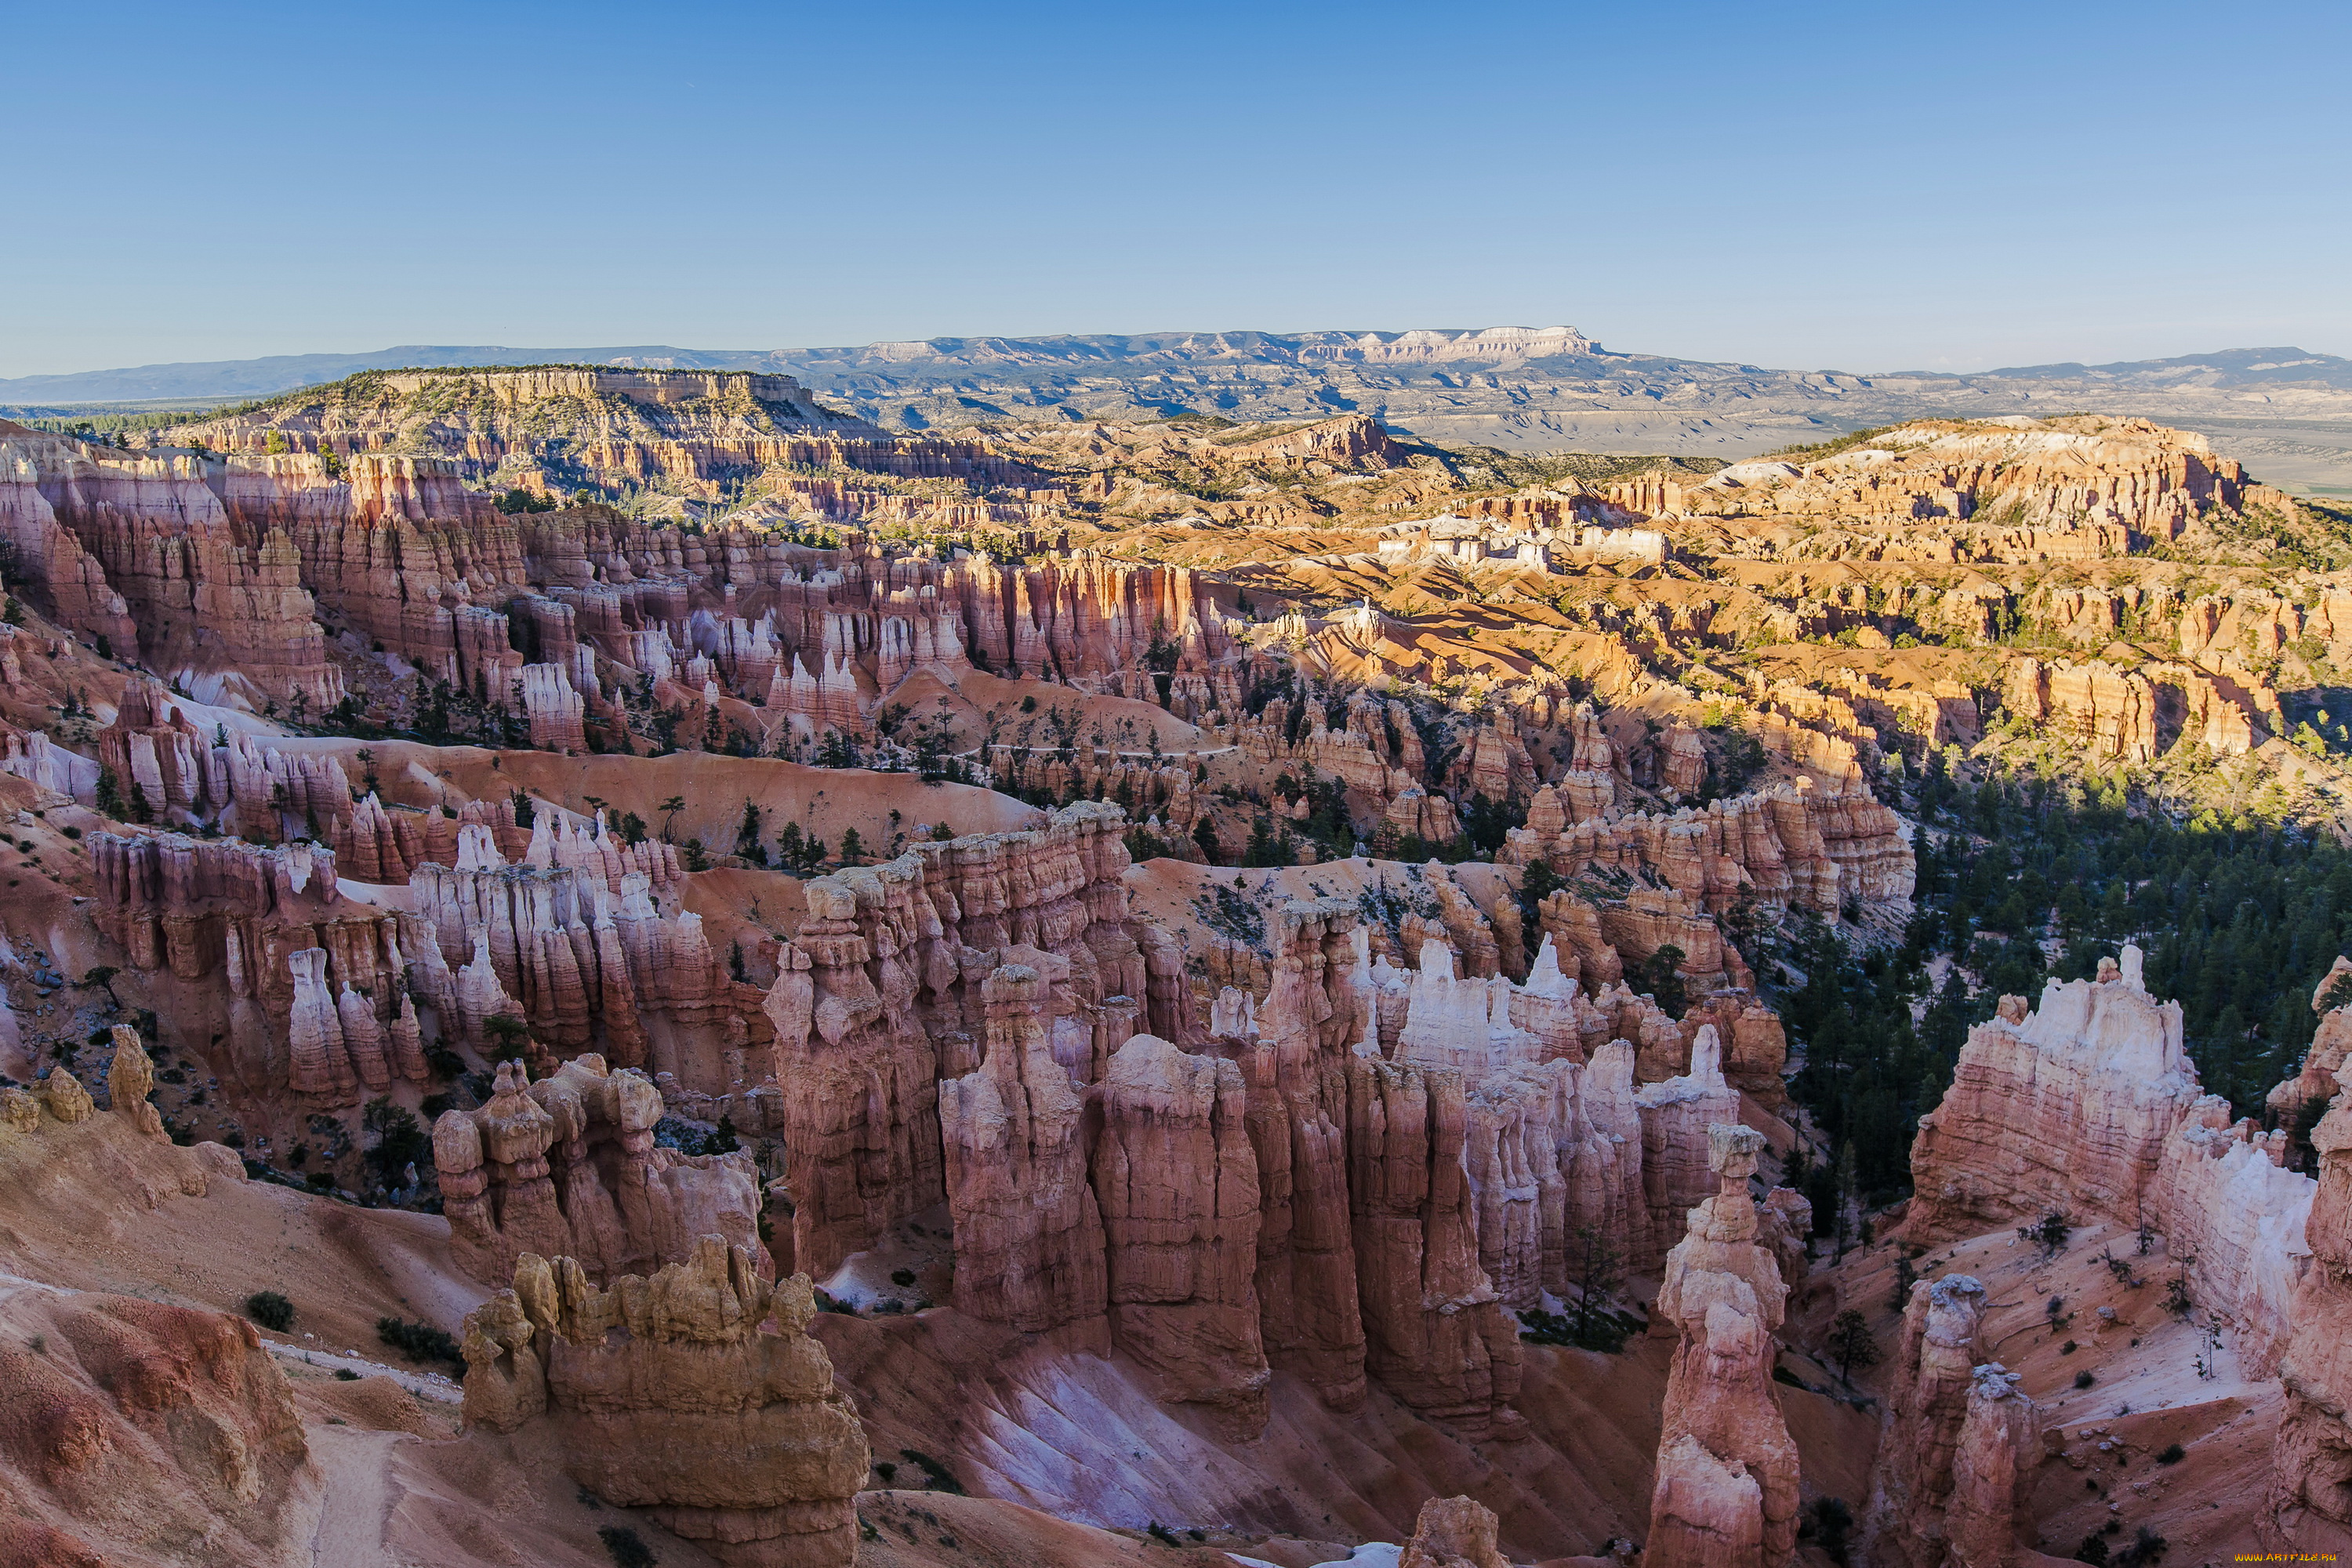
[[2287, 411]]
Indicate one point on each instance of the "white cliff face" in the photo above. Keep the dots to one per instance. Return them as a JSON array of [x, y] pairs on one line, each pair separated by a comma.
[[2068, 1107], [2090, 1105]]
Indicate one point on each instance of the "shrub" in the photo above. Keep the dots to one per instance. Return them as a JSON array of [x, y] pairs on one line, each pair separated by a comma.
[[1828, 1522], [2050, 1232], [902, 1277], [2173, 1454], [345, 1374], [2084, 1379], [937, 1477], [2092, 1551], [271, 1310], [418, 1341], [626, 1547]]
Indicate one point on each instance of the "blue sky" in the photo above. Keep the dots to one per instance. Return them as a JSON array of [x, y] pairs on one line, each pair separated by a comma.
[[1860, 186]]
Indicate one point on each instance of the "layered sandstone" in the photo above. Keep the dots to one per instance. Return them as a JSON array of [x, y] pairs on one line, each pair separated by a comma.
[[2089, 1106], [1435, 1332], [1176, 1181], [1453, 1532], [1727, 1471], [2311, 1468], [1800, 847], [1029, 1240], [139, 1430], [879, 996], [2068, 1106], [566, 1165], [1954, 1477], [671, 1393]]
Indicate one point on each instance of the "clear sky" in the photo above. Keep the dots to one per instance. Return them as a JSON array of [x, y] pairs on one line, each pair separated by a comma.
[[1862, 186]]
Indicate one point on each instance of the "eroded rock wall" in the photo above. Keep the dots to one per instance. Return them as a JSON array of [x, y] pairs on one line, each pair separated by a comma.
[[671, 1392]]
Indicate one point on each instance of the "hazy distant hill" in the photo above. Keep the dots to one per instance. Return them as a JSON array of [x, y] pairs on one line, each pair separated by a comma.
[[2286, 411]]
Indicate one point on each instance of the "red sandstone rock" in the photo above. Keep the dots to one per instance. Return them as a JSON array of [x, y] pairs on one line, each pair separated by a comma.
[[1803, 848], [670, 1394], [1028, 1233], [567, 1164], [1726, 1473], [1927, 1396], [1453, 1532], [1434, 1333], [2311, 1468], [1176, 1181], [1299, 1114]]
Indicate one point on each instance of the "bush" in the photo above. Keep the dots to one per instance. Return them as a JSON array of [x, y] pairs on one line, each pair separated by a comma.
[[419, 1341], [1595, 1330], [626, 1547], [1830, 1521], [2084, 1379], [902, 1277], [2173, 1454], [271, 1310], [937, 1477], [2092, 1551], [2051, 1233], [345, 1374]]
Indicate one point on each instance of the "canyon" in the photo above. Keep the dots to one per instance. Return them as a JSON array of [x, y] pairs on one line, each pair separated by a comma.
[[1144, 990]]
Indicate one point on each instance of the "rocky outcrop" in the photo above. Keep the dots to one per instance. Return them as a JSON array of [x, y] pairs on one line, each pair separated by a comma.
[[1435, 1331], [2067, 1107], [1314, 1016], [2089, 1106], [1806, 847], [1176, 1181], [1990, 1518], [1029, 1239], [879, 996], [1678, 1159], [1928, 1406], [1726, 1473], [567, 1164], [2311, 1467], [671, 1392], [2313, 1082], [136, 1428], [141, 551], [1453, 1532]]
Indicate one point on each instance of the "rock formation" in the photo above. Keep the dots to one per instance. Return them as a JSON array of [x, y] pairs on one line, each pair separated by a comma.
[[2089, 1106], [137, 1431], [1726, 1473], [1028, 1233], [2311, 1467], [669, 1393], [1989, 1518], [1453, 1532], [1176, 1181], [1799, 848], [1435, 1332], [1928, 1396], [567, 1164], [1314, 1014]]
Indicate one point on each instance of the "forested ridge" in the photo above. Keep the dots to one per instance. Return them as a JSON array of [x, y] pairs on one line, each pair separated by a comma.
[[2023, 879]]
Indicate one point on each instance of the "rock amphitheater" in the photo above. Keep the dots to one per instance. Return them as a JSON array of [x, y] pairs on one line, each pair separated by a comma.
[[746, 989]]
